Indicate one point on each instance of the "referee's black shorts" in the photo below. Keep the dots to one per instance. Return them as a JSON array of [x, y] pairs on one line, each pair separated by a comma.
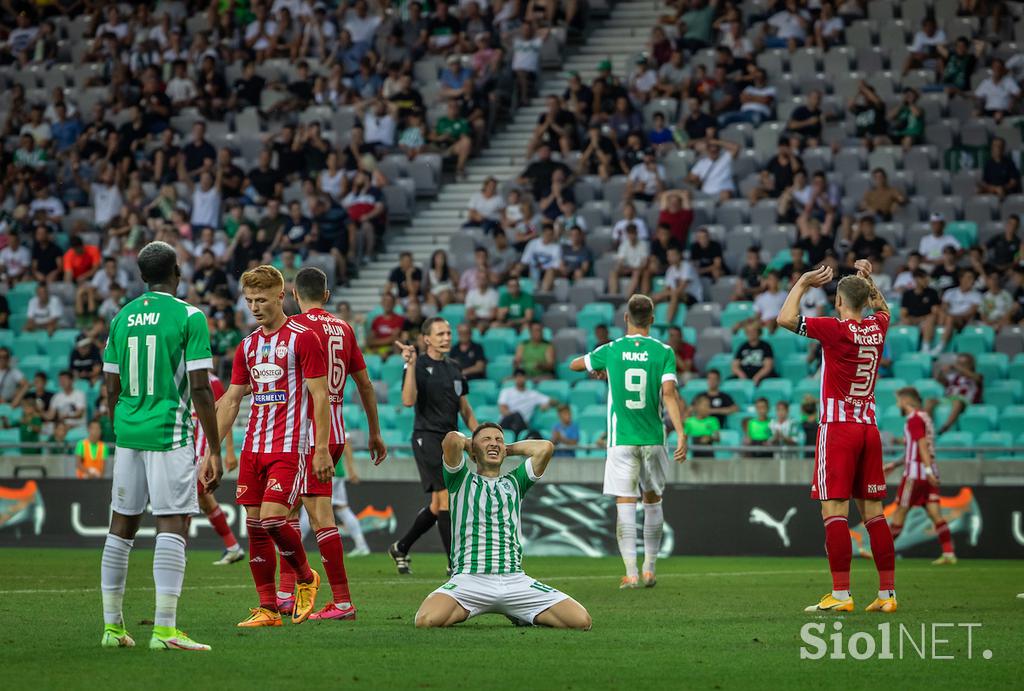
[[426, 449]]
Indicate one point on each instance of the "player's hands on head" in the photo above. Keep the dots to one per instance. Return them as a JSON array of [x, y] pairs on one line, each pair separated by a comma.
[[817, 278], [378, 451], [863, 267], [323, 465]]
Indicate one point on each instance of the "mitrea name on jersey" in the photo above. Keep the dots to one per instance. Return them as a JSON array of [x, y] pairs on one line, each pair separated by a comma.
[[636, 366]]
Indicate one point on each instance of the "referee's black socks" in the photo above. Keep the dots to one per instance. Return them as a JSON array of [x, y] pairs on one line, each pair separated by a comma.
[[444, 526], [425, 520]]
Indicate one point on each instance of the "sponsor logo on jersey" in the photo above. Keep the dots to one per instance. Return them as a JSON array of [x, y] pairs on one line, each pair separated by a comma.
[[265, 350], [281, 352], [634, 357], [266, 373], [146, 319], [269, 397], [273, 486], [876, 488]]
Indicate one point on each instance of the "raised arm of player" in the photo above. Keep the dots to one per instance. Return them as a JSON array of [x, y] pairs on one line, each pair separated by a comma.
[[378, 451], [789, 315], [670, 397], [876, 300], [210, 470], [409, 379], [539, 451], [323, 464], [453, 448]]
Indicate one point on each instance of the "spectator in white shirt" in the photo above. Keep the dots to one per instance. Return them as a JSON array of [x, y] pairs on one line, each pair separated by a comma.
[[712, 173], [484, 209], [517, 403], [646, 180], [632, 258], [44, 311], [787, 28], [114, 25], [526, 59], [260, 32], [206, 199], [45, 207], [757, 102], [482, 302], [15, 259], [12, 382], [379, 124], [932, 246], [37, 127], [961, 306], [923, 50], [682, 284], [641, 82], [361, 25], [629, 217], [828, 29], [107, 202], [180, 88], [543, 257], [68, 405], [769, 301], [999, 92]]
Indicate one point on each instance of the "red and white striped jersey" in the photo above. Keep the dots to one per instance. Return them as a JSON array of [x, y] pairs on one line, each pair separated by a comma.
[[961, 386], [276, 366], [200, 435], [850, 352], [343, 358], [918, 429]]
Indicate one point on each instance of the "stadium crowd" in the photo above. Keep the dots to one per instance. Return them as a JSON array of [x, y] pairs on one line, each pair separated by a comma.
[[747, 143]]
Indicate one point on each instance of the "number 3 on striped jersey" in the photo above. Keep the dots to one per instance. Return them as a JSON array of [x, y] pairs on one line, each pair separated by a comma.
[[133, 364], [335, 364], [636, 382], [866, 372]]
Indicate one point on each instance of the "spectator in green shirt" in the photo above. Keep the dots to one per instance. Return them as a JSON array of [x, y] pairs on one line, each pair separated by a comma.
[[702, 427], [452, 136], [758, 428], [536, 356], [29, 425], [515, 307]]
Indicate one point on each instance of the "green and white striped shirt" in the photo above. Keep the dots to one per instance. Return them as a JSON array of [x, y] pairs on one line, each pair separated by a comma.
[[486, 519]]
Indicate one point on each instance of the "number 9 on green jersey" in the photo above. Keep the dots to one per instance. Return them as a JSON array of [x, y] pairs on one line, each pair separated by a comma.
[[636, 366]]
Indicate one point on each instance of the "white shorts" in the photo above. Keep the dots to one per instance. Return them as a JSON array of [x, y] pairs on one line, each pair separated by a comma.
[[339, 495], [165, 479], [632, 469], [516, 595]]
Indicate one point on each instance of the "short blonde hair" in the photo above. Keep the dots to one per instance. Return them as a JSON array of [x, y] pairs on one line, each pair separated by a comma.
[[264, 277]]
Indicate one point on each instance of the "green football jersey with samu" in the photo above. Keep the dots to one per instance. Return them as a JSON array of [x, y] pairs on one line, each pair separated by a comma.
[[154, 342], [636, 367]]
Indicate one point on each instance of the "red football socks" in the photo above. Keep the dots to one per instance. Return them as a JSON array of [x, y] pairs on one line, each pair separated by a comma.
[[220, 523], [289, 544], [332, 553], [883, 551], [839, 550], [942, 531], [287, 574], [262, 563]]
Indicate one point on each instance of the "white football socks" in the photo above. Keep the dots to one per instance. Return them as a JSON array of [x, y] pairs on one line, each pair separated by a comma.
[[113, 574], [352, 527], [168, 575], [625, 533], [654, 522]]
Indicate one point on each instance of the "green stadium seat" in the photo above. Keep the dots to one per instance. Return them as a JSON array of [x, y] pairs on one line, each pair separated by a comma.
[[692, 389], [396, 437], [891, 421], [592, 424], [484, 388], [1000, 439], [1012, 418], [735, 421], [354, 420], [17, 321], [742, 390], [885, 390], [941, 414], [374, 363], [902, 340], [404, 417], [1002, 393], [30, 364], [77, 434], [928, 388], [524, 335], [912, 366], [391, 373], [63, 340], [728, 437], [1016, 369], [9, 412], [972, 343], [978, 418], [487, 412], [496, 345], [563, 372], [954, 439], [807, 387], [723, 363], [775, 389], [499, 368], [386, 415], [785, 343], [554, 388], [238, 437], [993, 366], [455, 313], [983, 330], [29, 344], [794, 367], [966, 232], [597, 388], [7, 437], [595, 313], [736, 312], [544, 420], [661, 315], [6, 338]]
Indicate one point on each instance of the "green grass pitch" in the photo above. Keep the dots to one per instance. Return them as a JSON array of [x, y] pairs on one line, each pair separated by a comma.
[[711, 623]]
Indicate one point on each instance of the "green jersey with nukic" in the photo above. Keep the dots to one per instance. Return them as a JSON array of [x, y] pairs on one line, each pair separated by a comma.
[[636, 366], [154, 342], [486, 519]]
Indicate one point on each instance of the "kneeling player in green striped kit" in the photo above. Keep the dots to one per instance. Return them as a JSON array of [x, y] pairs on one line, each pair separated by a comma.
[[486, 537]]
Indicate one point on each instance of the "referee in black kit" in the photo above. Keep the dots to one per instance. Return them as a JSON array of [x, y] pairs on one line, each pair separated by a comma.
[[434, 383]]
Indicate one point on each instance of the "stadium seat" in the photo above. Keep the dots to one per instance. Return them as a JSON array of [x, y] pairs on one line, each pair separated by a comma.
[[741, 390], [973, 343], [661, 315], [912, 366], [723, 363], [928, 388], [1002, 393], [775, 390], [736, 312], [1002, 440], [588, 392], [903, 339], [793, 367], [978, 418], [373, 365], [692, 389], [966, 232], [395, 438], [484, 388], [554, 388], [26, 344], [386, 415], [993, 366], [455, 313], [984, 331], [963, 440], [1012, 418], [391, 371], [784, 343], [807, 387], [30, 364], [497, 344], [1016, 370], [544, 420], [728, 437], [563, 372], [592, 424], [500, 368], [404, 417], [891, 420], [595, 313]]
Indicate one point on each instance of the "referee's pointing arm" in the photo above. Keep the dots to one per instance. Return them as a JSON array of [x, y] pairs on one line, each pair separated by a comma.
[[409, 382]]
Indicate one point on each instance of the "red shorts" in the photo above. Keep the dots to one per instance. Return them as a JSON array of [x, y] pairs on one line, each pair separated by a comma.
[[916, 493], [310, 485], [269, 477], [848, 462]]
